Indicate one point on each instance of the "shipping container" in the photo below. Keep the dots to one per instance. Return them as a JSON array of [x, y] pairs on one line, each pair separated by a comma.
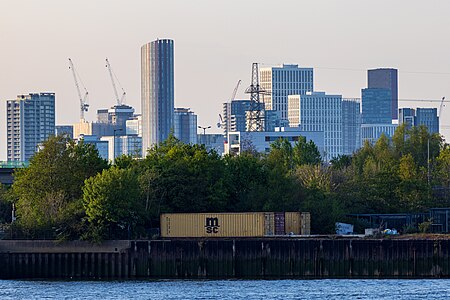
[[293, 224], [305, 222], [254, 224]]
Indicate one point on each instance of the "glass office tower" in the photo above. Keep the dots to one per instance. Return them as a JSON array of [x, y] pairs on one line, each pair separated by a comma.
[[157, 91]]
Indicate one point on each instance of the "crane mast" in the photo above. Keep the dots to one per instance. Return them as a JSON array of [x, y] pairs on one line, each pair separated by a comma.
[[112, 75], [84, 106]]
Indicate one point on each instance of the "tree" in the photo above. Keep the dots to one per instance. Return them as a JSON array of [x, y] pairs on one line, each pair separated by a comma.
[[124, 161], [49, 191], [306, 153], [246, 180], [281, 154], [112, 203], [319, 197], [184, 178], [413, 190], [280, 188], [441, 177], [5, 205], [443, 167], [341, 162]]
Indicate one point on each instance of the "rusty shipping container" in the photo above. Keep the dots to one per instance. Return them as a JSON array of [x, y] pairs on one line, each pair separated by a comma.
[[252, 224]]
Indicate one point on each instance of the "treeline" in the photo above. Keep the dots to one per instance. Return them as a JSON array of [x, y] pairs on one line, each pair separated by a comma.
[[69, 190]]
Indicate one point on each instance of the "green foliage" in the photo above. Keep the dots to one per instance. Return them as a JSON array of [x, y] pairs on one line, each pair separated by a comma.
[[246, 182], [49, 188], [112, 203], [319, 197], [5, 205], [183, 178], [341, 162], [124, 161], [306, 153], [425, 227], [68, 187], [280, 155]]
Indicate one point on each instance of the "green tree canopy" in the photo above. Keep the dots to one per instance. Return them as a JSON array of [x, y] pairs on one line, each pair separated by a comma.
[[112, 203], [183, 178], [306, 153], [5, 205], [49, 191]]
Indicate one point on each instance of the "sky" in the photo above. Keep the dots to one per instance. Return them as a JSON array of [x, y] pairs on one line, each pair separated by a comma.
[[216, 43]]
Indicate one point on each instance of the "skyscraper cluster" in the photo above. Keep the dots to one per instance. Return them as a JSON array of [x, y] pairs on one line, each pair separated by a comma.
[[289, 107], [345, 123]]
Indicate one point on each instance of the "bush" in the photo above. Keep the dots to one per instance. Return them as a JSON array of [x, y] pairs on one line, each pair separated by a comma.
[[425, 227]]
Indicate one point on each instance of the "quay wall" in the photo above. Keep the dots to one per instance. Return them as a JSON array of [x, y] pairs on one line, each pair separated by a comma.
[[226, 258]]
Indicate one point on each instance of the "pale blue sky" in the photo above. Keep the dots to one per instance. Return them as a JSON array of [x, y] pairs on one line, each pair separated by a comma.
[[215, 44]]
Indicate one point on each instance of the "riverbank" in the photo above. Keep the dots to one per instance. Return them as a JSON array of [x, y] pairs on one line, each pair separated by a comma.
[[227, 258]]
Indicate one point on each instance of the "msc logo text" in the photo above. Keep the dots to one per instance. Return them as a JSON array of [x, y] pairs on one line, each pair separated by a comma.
[[212, 225]]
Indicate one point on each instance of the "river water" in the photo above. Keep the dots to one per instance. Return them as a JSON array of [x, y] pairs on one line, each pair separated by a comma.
[[227, 289]]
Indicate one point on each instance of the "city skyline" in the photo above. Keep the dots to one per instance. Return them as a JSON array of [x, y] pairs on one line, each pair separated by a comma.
[[210, 59]]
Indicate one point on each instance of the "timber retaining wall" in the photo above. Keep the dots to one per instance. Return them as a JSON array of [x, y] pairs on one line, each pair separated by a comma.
[[226, 258]]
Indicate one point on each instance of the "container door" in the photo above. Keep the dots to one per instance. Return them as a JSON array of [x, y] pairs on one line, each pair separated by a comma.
[[279, 224], [269, 224], [306, 223]]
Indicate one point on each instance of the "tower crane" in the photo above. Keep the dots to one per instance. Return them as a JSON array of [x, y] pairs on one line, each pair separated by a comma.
[[84, 106], [112, 75], [442, 105], [219, 124], [233, 96], [235, 90]]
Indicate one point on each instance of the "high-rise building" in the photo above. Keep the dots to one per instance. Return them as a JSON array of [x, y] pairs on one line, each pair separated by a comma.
[[280, 82], [185, 125], [351, 125], [101, 146], [134, 126], [234, 116], [212, 141], [429, 118], [420, 116], [30, 121], [116, 115], [110, 122], [376, 106], [123, 145], [385, 79], [407, 116], [372, 132], [157, 91], [272, 120], [318, 111], [66, 130]]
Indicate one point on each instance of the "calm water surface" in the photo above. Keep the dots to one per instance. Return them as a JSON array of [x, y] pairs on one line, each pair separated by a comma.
[[227, 289]]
